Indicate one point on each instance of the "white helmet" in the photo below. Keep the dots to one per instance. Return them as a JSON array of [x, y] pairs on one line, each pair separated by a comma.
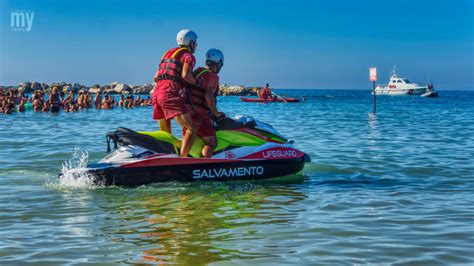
[[185, 37], [215, 55]]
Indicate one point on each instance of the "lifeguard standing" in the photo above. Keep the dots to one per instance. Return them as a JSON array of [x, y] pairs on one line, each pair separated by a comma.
[[175, 71]]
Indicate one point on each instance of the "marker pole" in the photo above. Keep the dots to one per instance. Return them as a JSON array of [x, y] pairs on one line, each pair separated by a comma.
[[375, 97], [373, 78]]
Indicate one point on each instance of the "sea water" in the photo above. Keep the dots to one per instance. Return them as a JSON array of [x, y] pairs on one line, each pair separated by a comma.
[[392, 187]]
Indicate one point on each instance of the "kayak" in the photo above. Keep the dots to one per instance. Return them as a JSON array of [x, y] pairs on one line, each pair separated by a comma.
[[273, 100]]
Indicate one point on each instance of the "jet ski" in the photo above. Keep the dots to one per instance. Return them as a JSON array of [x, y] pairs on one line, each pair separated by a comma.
[[247, 150]]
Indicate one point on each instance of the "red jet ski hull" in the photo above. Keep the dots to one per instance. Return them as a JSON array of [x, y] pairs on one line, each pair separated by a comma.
[[193, 170]]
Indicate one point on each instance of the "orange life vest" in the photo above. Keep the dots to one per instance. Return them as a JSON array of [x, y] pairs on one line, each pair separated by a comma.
[[170, 67], [196, 95]]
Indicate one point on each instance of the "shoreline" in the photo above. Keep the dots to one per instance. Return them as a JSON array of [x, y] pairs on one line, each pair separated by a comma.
[[117, 88]]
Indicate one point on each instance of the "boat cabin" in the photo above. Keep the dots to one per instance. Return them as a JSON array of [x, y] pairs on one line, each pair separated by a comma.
[[396, 80]]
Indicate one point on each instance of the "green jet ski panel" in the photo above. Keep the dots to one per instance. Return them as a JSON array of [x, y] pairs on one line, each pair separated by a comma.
[[225, 138]]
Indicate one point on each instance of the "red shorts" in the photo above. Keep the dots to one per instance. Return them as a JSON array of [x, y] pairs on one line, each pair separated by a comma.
[[202, 122], [167, 100]]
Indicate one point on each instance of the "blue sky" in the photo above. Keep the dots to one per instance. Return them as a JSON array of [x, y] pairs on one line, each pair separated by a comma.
[[290, 44]]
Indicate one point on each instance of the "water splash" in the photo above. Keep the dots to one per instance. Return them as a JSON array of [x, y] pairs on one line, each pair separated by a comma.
[[74, 172]]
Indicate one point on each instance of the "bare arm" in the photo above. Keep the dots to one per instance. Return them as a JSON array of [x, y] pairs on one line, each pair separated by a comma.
[[187, 74], [50, 99], [211, 101]]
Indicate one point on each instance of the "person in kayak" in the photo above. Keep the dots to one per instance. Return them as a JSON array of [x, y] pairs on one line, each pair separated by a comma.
[[175, 70], [201, 101], [266, 92]]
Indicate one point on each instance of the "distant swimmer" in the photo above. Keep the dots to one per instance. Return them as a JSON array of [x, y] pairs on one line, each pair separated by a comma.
[[38, 101], [21, 106], [54, 101], [98, 100]]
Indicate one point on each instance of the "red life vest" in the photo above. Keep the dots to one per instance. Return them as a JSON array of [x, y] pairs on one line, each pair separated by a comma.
[[170, 67], [196, 95]]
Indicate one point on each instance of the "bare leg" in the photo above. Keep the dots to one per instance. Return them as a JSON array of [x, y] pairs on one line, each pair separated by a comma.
[[208, 149], [165, 125], [189, 137]]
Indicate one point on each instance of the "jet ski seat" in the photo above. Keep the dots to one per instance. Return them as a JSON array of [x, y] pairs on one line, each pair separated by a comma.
[[164, 142], [124, 136], [225, 139]]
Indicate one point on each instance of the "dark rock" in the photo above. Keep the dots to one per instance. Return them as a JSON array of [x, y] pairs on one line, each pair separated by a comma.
[[25, 87]]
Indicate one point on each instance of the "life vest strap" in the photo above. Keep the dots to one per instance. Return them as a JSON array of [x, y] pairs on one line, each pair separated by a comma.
[[202, 72], [170, 68], [173, 78], [175, 52]]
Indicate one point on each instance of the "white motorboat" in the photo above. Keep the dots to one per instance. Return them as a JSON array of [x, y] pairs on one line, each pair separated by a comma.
[[400, 86]]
